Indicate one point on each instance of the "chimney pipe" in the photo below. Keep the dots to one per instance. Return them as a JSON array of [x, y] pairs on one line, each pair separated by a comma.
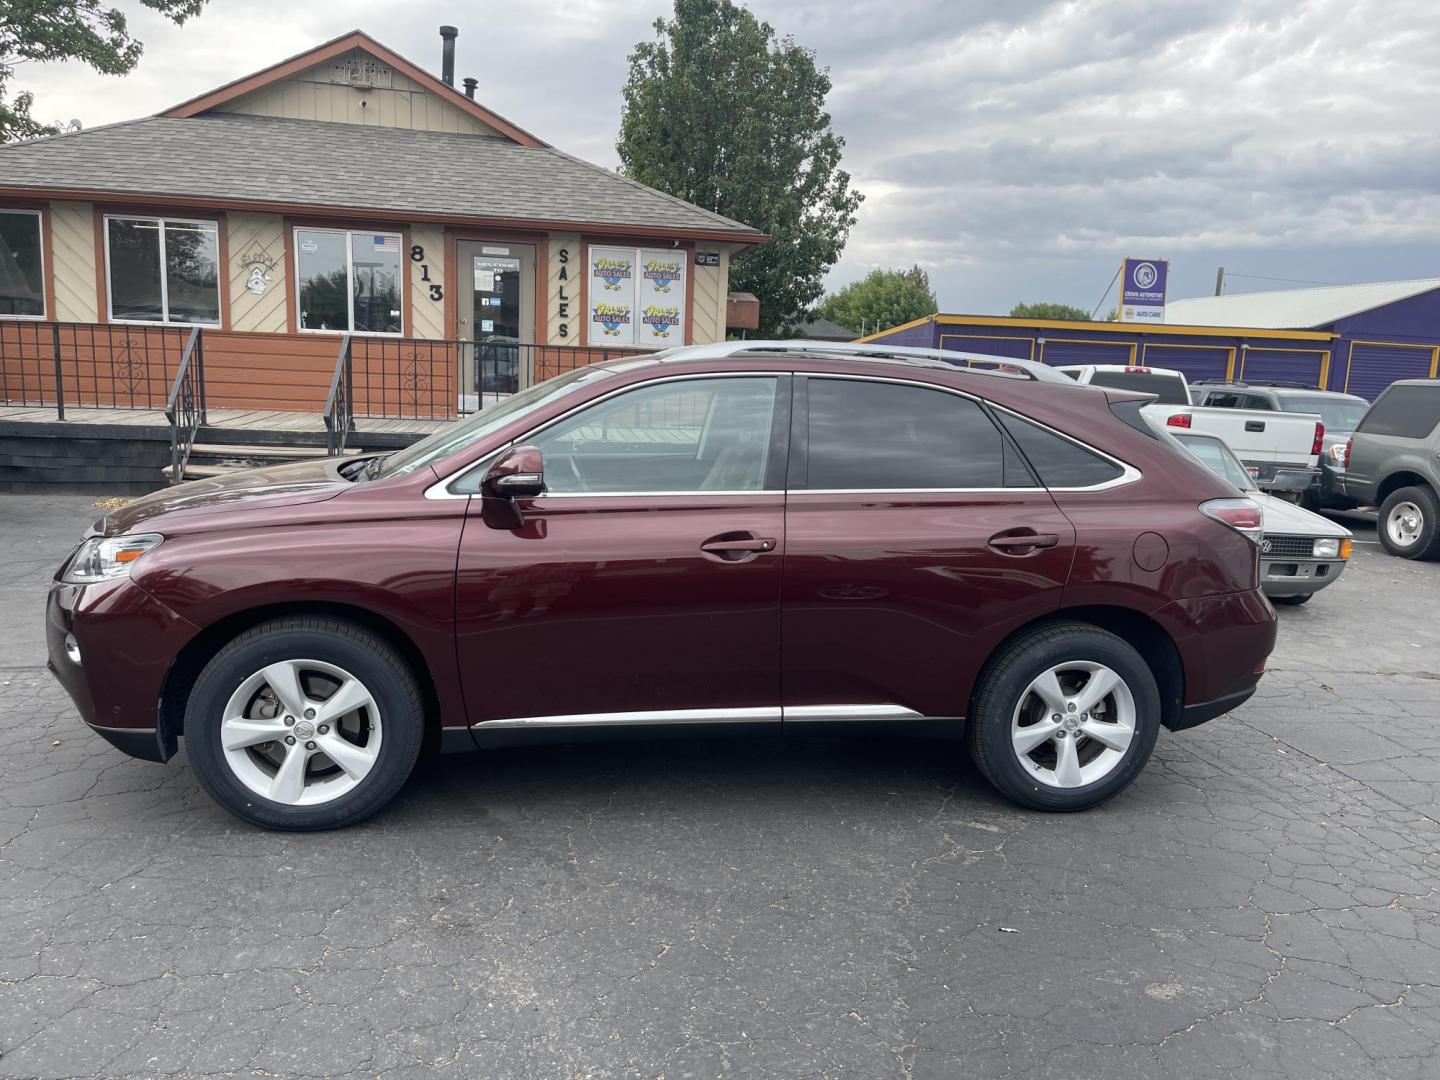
[[470, 85], [448, 34]]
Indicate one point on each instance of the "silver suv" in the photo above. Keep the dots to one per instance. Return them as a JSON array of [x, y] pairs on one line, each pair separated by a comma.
[[1393, 461]]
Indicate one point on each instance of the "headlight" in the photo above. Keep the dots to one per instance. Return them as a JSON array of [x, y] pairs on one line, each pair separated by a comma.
[[107, 558], [1327, 549]]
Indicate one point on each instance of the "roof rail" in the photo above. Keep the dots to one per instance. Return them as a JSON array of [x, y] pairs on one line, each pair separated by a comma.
[[1276, 384], [987, 364]]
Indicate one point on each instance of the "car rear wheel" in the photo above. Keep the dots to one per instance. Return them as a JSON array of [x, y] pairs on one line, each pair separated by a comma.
[[1065, 718], [304, 723], [1409, 523]]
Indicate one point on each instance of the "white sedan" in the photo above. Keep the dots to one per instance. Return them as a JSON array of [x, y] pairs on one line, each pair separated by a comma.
[[1300, 552]]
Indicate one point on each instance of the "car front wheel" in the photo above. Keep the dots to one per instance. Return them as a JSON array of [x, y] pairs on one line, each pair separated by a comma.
[[304, 723], [1409, 523], [1065, 718]]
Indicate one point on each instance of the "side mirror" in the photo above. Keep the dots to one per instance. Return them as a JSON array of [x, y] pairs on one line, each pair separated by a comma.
[[518, 474]]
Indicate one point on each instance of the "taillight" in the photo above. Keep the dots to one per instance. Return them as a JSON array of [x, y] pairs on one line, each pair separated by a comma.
[[1319, 443], [1242, 515], [1179, 419], [1349, 444]]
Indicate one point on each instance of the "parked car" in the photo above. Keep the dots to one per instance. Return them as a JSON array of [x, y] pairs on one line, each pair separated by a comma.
[[1340, 413], [1393, 462], [1300, 552], [1281, 452], [749, 537]]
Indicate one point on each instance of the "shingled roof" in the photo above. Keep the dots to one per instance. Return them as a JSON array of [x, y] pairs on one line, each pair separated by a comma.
[[259, 162]]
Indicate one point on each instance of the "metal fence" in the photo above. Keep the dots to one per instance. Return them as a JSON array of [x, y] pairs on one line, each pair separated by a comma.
[[60, 365]]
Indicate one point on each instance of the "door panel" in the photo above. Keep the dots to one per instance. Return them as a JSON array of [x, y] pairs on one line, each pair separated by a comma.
[[496, 308], [898, 599], [605, 605]]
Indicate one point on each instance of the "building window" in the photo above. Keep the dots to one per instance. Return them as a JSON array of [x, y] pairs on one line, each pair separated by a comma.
[[348, 281], [163, 270], [636, 296], [22, 265]]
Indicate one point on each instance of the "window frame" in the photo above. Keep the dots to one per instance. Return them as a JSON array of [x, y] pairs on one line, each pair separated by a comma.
[[800, 452], [40, 227], [161, 221], [401, 279], [776, 465]]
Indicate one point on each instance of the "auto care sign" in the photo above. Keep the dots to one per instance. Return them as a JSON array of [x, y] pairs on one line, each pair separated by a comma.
[[1142, 290]]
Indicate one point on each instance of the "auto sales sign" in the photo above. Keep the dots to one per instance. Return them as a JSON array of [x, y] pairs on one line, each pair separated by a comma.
[[1142, 290]]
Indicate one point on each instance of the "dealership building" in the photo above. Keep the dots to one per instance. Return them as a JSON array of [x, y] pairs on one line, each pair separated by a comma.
[[1350, 338]]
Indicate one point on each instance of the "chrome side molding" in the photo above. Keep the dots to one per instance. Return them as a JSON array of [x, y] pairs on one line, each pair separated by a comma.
[[660, 717]]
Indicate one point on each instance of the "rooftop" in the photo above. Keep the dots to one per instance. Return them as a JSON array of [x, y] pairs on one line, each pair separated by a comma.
[[1294, 309]]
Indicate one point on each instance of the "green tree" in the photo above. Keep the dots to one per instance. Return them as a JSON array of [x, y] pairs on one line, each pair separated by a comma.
[[882, 299], [1050, 311], [721, 112], [84, 30]]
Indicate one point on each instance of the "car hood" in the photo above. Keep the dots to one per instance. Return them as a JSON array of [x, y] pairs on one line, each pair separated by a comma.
[[252, 489], [1284, 518]]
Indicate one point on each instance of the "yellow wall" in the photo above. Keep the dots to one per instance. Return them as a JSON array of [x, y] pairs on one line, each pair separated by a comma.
[[256, 241], [321, 93], [72, 262]]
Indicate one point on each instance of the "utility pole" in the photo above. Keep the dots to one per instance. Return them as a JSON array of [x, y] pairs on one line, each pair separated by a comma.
[[1220, 282]]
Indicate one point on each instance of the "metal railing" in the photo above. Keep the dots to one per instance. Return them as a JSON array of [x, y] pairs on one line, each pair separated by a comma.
[[339, 403], [185, 407], [88, 365]]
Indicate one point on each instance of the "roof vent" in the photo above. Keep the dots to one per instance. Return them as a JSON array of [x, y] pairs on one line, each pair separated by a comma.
[[448, 34], [470, 85]]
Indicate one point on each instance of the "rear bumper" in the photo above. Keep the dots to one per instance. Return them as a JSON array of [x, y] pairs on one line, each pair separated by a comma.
[[1223, 641], [1282, 476], [127, 641]]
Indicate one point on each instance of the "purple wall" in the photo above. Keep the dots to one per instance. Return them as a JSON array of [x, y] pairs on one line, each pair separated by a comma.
[[1397, 341]]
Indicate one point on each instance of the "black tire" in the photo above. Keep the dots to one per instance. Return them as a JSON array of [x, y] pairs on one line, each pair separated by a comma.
[[999, 693], [1426, 543], [1292, 601], [369, 658]]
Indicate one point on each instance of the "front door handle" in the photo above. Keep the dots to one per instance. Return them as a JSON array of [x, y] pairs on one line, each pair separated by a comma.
[[737, 547], [1019, 543]]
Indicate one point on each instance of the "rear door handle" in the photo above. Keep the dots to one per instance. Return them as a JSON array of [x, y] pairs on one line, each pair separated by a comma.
[[1018, 543], [1254, 425]]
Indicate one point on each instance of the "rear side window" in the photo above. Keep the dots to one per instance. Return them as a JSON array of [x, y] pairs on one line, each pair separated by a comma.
[[1406, 412], [1225, 399], [1060, 462], [1170, 389], [889, 437]]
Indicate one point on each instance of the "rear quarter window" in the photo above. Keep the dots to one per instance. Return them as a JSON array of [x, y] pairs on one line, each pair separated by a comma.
[[1059, 462], [1405, 412], [1170, 389]]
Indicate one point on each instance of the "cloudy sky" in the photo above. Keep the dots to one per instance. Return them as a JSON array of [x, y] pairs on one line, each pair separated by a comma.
[[1016, 149]]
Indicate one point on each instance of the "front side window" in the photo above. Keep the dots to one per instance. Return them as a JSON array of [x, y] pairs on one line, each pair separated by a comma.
[[348, 281], [1410, 411], [691, 435], [163, 270], [22, 265], [877, 436]]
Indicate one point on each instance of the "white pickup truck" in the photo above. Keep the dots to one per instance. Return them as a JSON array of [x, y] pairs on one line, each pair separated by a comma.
[[1280, 450]]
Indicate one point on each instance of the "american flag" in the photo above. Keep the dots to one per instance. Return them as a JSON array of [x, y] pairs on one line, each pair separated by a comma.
[[387, 243]]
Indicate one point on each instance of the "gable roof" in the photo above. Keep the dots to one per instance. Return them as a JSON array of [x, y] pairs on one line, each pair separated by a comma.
[[218, 160], [338, 47], [825, 330], [1294, 309]]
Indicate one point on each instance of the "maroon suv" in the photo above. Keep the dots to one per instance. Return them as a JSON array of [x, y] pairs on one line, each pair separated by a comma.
[[743, 538]]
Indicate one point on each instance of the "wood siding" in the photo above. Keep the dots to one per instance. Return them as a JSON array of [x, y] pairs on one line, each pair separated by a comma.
[[72, 262], [427, 315], [710, 285], [314, 94], [253, 237]]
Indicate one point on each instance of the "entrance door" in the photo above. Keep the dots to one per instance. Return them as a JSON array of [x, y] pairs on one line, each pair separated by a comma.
[[497, 318]]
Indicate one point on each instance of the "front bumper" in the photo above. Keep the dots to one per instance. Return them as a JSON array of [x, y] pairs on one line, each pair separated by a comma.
[[127, 641], [1291, 577]]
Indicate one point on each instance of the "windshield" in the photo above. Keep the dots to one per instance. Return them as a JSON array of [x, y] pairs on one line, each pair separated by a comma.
[[464, 432], [1217, 457], [1336, 413]]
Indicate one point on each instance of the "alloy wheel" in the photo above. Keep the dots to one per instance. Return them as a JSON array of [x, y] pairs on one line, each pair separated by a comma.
[[1073, 724], [301, 732]]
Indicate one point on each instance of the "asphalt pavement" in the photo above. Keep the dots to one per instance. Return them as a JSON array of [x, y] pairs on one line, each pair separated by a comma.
[[1262, 903]]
